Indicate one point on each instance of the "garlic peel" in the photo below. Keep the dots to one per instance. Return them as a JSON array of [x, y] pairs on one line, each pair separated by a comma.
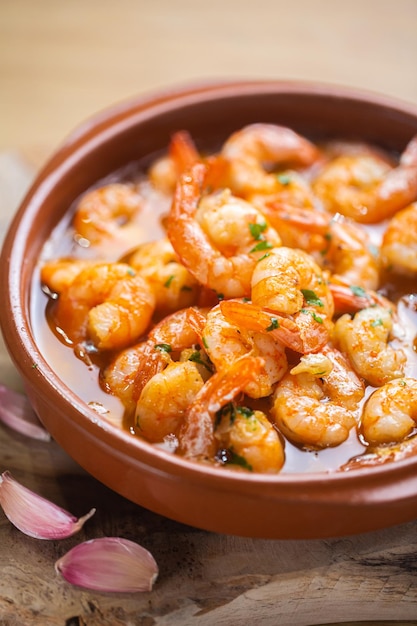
[[17, 414], [34, 515], [109, 564]]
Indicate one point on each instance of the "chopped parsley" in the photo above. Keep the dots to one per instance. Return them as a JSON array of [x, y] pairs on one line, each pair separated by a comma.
[[230, 410], [245, 411], [256, 230], [237, 459], [196, 357], [169, 280], [314, 315], [328, 238], [273, 325], [358, 291], [311, 298], [378, 322], [163, 347], [262, 245]]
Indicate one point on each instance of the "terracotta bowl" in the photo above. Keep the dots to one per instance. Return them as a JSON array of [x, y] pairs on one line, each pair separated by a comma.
[[281, 506]]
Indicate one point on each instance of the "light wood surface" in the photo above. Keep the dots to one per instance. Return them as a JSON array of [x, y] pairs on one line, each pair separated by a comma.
[[60, 62]]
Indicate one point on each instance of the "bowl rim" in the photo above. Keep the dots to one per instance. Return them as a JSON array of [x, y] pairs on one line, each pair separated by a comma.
[[34, 368]]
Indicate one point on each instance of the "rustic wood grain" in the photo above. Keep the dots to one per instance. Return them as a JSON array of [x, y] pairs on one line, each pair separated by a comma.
[[205, 578]]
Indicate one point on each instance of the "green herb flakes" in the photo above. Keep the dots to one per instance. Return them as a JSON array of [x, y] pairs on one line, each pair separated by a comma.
[[358, 291], [237, 459], [163, 347], [311, 298], [169, 280], [262, 245], [273, 325], [256, 230], [314, 315], [196, 357], [378, 322]]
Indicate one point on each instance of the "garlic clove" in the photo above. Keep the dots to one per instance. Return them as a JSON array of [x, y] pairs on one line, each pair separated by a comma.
[[34, 515], [109, 564], [17, 414]]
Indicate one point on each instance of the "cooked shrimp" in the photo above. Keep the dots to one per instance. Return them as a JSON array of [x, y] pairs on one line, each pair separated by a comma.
[[180, 330], [196, 438], [288, 280], [366, 188], [316, 404], [353, 298], [303, 227], [300, 336], [174, 287], [234, 226], [107, 303], [350, 257], [220, 244], [381, 454], [225, 342], [390, 413], [182, 154], [292, 189], [248, 439], [399, 242], [338, 147], [365, 339], [105, 214], [132, 369], [251, 149], [165, 398], [57, 275], [336, 244]]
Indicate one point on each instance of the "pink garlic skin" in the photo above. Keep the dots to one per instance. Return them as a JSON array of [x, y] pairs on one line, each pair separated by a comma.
[[17, 414], [109, 564], [34, 515]]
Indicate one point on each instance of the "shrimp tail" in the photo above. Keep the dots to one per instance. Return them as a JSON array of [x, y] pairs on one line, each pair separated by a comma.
[[299, 335], [188, 242], [379, 455], [152, 362], [183, 151], [197, 431], [351, 299]]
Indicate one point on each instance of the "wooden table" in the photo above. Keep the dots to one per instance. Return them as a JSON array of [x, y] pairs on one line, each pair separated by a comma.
[[60, 62]]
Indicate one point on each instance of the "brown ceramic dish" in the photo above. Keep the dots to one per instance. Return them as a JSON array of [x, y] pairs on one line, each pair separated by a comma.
[[282, 506]]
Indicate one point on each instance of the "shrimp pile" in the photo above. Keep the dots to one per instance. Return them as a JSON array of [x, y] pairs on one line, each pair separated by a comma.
[[274, 318]]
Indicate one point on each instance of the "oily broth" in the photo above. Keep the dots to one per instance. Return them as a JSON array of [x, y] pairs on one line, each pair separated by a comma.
[[81, 372], [80, 376]]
